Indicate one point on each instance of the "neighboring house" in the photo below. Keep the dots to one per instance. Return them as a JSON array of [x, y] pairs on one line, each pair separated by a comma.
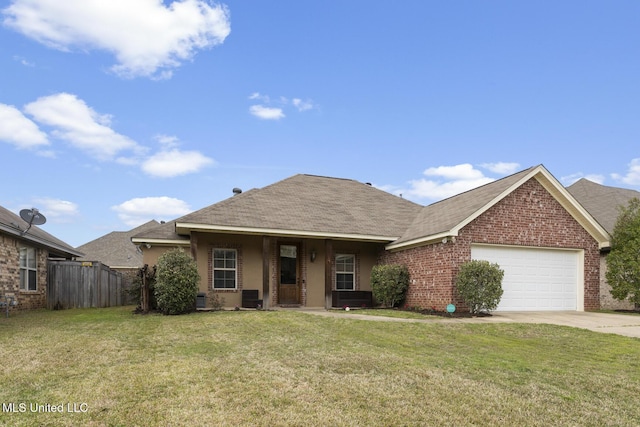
[[116, 250], [24, 260], [306, 239], [603, 203]]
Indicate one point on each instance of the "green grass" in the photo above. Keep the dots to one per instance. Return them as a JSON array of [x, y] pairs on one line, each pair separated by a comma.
[[271, 368], [386, 312]]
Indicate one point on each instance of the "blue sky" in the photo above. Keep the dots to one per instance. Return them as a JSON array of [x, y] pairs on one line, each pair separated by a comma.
[[115, 113]]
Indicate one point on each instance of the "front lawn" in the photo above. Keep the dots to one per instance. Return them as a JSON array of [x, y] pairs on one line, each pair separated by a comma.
[[276, 368]]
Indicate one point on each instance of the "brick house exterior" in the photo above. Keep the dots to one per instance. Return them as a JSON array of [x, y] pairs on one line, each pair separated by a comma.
[[24, 261], [329, 220], [529, 216]]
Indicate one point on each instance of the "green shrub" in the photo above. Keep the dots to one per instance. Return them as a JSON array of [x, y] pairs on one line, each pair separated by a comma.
[[623, 262], [177, 281], [389, 283], [479, 284]]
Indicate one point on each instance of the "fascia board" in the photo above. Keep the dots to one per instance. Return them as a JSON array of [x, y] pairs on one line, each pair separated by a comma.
[[575, 209], [163, 242], [185, 228], [427, 240]]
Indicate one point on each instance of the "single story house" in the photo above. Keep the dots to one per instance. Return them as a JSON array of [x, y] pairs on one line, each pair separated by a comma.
[[24, 258], [312, 241], [116, 250], [603, 203]]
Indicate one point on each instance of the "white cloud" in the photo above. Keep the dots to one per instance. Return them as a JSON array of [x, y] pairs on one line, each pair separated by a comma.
[[167, 141], [632, 176], [502, 168], [147, 37], [266, 113], [463, 171], [57, 210], [139, 210], [171, 163], [23, 61], [442, 182], [258, 96], [75, 122], [18, 130], [302, 105]]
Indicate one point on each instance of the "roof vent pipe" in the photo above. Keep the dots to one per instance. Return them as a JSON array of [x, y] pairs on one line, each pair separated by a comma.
[[237, 191]]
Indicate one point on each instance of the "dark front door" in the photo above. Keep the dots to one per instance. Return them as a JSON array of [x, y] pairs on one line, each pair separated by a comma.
[[289, 265]]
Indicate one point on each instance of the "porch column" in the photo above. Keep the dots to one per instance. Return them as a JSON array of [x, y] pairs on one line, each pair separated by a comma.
[[194, 246], [266, 292], [328, 268]]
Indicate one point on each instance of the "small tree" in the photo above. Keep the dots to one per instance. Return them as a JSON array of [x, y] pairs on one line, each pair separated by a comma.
[[623, 262], [389, 283], [177, 281], [479, 284], [142, 286]]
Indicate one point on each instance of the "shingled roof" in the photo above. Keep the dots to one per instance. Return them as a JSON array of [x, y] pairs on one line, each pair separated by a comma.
[[12, 224], [309, 205], [324, 207], [601, 201], [115, 249], [163, 233], [445, 218]]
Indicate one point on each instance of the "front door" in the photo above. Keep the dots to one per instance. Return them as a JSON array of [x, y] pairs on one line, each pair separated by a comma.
[[289, 286]]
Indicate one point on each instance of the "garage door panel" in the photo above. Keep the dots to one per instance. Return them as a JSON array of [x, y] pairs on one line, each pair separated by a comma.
[[534, 279]]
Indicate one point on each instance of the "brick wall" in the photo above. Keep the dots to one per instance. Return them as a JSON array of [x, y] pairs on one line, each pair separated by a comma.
[[529, 216], [10, 274]]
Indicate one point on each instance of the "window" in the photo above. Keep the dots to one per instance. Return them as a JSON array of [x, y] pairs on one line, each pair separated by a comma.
[[28, 269], [224, 268], [345, 272]]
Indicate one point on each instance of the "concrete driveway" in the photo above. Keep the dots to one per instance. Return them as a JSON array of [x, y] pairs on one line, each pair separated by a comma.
[[621, 324]]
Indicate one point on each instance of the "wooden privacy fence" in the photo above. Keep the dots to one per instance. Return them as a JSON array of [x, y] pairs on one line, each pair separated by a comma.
[[75, 284]]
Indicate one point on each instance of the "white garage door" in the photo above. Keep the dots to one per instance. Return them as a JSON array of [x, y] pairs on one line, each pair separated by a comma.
[[534, 279]]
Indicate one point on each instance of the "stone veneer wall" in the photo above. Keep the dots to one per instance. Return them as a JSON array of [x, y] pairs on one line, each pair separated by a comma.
[[10, 274], [529, 216]]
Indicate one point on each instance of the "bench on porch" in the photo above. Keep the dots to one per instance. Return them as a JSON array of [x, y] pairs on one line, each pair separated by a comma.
[[250, 298], [351, 299]]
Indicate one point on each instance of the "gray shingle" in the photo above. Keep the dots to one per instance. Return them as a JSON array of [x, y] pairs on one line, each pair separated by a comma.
[[315, 204], [165, 231], [115, 249], [602, 201]]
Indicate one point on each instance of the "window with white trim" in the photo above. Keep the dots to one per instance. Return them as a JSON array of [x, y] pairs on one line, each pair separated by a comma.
[[345, 272], [225, 268], [28, 269]]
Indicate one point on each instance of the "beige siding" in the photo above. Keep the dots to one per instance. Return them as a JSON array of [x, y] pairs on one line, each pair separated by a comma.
[[250, 265]]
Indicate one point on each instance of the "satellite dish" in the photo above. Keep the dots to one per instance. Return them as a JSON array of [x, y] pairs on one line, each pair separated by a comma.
[[33, 217]]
